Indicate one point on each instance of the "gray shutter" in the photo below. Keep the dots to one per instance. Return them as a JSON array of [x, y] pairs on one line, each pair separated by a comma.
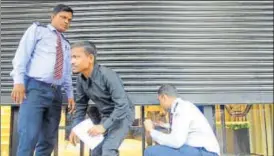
[[212, 51]]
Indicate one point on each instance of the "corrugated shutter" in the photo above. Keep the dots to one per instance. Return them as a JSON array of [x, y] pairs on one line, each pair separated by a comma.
[[202, 47]]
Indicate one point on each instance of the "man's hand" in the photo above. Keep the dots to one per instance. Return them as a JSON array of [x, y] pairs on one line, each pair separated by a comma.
[[18, 93], [148, 125], [96, 130], [73, 139], [71, 105]]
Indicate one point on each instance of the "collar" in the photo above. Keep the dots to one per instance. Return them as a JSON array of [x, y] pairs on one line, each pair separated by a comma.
[[174, 105], [52, 28], [93, 74]]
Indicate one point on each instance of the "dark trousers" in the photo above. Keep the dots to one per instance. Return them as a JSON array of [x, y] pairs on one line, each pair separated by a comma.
[[185, 150], [39, 118], [113, 138]]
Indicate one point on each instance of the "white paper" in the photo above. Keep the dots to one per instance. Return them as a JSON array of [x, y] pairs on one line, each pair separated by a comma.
[[81, 130]]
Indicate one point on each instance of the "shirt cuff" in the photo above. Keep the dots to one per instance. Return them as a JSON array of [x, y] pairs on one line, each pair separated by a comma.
[[166, 125], [18, 79], [107, 123], [69, 94]]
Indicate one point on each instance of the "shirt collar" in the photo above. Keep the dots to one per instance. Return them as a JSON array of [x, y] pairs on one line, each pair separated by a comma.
[[52, 28], [95, 71], [174, 105], [93, 74]]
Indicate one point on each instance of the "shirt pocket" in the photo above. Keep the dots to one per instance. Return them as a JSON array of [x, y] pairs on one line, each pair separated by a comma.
[[48, 44]]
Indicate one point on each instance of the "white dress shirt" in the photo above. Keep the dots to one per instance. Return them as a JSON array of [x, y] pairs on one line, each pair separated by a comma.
[[189, 127]]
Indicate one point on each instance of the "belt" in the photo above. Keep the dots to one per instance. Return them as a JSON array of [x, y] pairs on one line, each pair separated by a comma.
[[51, 85]]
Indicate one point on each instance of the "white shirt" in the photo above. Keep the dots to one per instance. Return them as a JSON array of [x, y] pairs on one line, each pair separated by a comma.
[[189, 127]]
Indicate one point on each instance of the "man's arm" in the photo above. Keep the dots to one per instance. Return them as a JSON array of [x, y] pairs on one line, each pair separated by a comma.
[[23, 54], [118, 95], [68, 77], [179, 132], [81, 104]]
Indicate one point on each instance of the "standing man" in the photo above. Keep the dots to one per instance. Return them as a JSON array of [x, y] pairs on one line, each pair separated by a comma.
[[41, 66], [104, 87], [190, 133]]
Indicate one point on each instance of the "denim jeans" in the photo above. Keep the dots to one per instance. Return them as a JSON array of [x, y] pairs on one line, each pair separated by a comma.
[[39, 117], [185, 150]]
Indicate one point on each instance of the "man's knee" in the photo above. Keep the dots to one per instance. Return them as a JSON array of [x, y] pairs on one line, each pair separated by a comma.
[[28, 137], [96, 152], [26, 143], [110, 152]]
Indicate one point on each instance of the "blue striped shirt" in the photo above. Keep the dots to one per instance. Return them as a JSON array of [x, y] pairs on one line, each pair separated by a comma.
[[36, 57]]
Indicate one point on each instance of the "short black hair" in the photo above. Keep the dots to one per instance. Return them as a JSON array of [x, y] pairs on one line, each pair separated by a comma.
[[168, 90], [89, 47], [62, 7]]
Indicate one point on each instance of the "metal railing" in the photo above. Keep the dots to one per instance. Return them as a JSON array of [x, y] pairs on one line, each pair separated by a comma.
[[13, 140], [208, 110]]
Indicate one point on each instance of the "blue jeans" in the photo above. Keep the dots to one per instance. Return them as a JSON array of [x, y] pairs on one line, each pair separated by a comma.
[[39, 118], [185, 150]]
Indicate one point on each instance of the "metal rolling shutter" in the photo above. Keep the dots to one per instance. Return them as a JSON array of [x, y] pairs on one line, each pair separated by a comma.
[[205, 48]]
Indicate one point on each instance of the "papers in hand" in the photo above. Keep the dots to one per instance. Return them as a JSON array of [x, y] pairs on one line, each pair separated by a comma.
[[81, 130]]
